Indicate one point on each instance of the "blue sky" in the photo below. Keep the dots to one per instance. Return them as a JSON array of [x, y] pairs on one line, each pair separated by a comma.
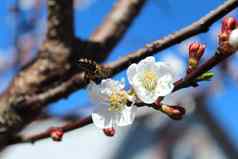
[[157, 19]]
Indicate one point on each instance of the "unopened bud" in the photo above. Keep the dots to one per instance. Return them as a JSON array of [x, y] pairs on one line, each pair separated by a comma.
[[196, 50], [56, 134], [110, 132], [229, 24], [174, 112]]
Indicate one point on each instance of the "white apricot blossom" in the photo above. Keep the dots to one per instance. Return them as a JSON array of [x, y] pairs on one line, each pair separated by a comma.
[[111, 102], [150, 79]]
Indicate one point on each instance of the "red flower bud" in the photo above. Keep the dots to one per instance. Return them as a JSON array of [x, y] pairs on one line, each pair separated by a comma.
[[196, 50], [229, 24], [174, 112], [109, 131], [56, 134]]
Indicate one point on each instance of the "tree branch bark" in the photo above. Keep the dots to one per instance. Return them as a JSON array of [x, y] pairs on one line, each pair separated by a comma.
[[109, 34], [60, 20], [48, 69]]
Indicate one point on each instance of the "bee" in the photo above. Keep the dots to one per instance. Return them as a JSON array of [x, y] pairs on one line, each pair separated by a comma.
[[89, 66], [93, 69]]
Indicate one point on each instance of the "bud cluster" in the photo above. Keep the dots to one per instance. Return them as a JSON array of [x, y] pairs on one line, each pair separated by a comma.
[[196, 50]]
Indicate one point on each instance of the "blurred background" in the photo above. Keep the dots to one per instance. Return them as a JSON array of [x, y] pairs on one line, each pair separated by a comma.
[[209, 129]]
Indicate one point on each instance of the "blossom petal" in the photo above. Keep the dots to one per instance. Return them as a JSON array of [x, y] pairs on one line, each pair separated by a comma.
[[127, 116], [177, 65], [165, 85], [108, 85], [143, 94], [120, 84], [146, 64], [131, 72], [149, 59], [94, 92], [146, 96], [163, 69], [102, 118]]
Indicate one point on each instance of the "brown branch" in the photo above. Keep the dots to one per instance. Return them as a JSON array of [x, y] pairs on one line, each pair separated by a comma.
[[45, 72], [65, 128], [199, 26], [66, 88], [60, 20], [112, 30], [117, 21]]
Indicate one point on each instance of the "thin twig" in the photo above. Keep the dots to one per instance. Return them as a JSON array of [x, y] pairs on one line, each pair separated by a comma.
[[209, 64], [46, 134], [60, 19]]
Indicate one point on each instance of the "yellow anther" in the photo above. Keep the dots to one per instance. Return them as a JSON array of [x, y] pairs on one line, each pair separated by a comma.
[[118, 101], [149, 80]]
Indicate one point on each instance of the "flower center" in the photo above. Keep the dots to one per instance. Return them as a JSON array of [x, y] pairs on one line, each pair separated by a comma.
[[118, 101], [149, 80]]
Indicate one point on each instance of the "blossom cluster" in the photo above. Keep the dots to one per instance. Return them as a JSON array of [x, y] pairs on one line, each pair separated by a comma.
[[115, 106]]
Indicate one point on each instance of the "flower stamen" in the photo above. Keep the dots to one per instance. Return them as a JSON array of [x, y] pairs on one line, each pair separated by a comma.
[[149, 80], [118, 101]]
